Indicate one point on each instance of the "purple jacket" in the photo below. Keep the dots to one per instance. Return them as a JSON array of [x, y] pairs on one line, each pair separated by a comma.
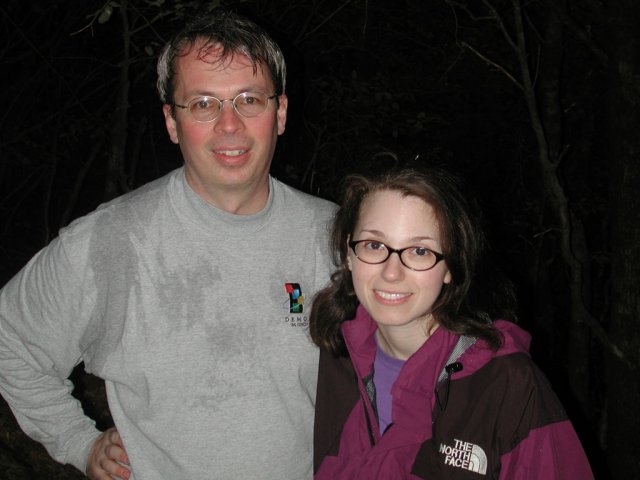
[[499, 418]]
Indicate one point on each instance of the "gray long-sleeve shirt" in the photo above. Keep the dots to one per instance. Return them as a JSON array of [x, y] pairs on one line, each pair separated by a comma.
[[195, 318]]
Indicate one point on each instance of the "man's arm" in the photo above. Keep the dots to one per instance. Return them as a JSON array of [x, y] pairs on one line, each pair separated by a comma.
[[42, 330]]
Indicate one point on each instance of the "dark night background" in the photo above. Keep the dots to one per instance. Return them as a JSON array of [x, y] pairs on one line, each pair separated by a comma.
[[536, 102]]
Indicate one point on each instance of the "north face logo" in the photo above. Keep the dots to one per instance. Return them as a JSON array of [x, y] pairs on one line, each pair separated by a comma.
[[465, 455]]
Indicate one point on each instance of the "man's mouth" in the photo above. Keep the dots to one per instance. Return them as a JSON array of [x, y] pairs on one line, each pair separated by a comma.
[[231, 153]]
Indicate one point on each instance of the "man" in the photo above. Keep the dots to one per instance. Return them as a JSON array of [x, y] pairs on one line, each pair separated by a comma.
[[187, 296]]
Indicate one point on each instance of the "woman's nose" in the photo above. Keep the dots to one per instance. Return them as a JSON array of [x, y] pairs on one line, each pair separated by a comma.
[[393, 268]]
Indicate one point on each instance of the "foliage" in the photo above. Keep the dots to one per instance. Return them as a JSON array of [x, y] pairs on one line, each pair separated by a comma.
[[369, 83]]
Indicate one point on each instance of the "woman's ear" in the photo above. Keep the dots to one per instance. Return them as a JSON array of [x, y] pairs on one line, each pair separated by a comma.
[[348, 252]]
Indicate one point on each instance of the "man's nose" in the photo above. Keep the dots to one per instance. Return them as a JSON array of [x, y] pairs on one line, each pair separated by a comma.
[[228, 120]]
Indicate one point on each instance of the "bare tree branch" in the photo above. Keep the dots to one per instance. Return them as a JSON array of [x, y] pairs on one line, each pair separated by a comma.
[[501, 26], [329, 17], [44, 58], [493, 63], [579, 32]]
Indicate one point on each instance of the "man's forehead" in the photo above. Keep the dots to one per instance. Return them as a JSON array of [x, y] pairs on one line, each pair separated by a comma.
[[217, 57]]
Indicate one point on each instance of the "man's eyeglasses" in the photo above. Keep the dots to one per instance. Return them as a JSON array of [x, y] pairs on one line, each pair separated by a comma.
[[207, 109], [416, 258]]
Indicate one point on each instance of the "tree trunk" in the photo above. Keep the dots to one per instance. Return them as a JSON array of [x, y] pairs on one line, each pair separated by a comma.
[[545, 115], [115, 178], [623, 395]]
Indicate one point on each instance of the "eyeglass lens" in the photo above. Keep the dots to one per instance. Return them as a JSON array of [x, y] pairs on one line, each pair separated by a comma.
[[247, 104], [416, 257]]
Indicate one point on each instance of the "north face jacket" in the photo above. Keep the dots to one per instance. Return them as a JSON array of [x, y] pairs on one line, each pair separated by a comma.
[[494, 415]]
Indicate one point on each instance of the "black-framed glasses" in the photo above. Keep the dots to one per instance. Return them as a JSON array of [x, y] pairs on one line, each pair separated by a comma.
[[416, 257], [248, 104]]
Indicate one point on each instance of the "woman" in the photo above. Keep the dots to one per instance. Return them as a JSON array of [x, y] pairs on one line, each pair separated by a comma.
[[416, 379]]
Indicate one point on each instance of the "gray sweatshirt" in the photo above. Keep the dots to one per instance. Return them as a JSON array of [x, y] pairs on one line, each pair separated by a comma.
[[196, 319]]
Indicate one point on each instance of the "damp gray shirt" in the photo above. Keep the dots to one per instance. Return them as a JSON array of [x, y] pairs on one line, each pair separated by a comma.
[[196, 319]]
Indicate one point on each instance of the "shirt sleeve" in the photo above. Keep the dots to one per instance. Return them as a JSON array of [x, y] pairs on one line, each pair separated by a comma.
[[547, 453], [43, 325]]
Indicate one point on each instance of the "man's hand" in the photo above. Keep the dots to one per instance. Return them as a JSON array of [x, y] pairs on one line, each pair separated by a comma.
[[107, 459]]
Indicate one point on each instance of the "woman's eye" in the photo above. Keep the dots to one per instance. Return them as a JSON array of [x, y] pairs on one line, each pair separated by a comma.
[[375, 245], [421, 251]]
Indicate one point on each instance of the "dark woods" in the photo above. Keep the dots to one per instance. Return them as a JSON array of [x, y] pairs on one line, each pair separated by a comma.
[[537, 103]]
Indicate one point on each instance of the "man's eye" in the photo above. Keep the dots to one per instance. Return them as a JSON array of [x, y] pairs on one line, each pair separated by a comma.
[[204, 104], [250, 100]]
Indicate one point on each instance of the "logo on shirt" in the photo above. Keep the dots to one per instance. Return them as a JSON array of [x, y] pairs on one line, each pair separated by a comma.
[[296, 299], [294, 306], [465, 455]]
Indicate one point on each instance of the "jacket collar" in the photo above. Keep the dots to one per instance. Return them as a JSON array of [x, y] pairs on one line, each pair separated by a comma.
[[413, 391]]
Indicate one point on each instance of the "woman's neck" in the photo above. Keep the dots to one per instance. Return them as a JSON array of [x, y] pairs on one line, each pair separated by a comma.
[[402, 341]]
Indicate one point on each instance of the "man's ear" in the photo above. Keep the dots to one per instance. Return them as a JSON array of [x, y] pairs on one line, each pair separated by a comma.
[[170, 123], [281, 114]]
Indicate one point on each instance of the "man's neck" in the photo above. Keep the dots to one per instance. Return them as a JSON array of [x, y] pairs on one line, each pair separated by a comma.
[[240, 204], [235, 200]]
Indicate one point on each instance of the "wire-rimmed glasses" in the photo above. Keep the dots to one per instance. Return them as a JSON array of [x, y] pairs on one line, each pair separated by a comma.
[[207, 108]]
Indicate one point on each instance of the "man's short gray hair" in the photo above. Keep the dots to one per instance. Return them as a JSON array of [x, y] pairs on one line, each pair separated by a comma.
[[232, 34]]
